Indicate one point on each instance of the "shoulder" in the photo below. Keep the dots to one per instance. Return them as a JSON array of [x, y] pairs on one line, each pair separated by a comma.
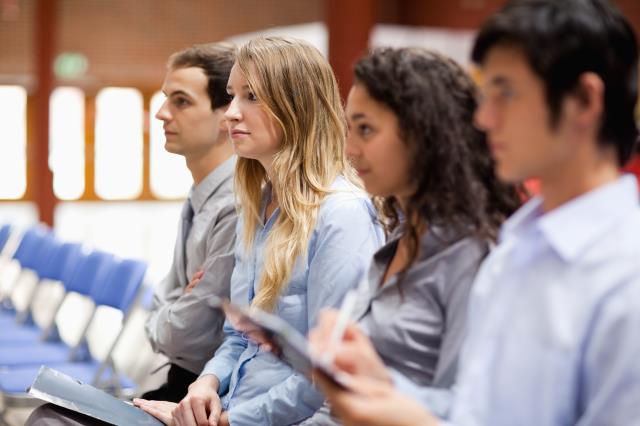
[[346, 201]]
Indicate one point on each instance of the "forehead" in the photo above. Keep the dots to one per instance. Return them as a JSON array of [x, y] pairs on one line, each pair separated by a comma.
[[237, 78], [191, 80], [506, 63], [360, 101]]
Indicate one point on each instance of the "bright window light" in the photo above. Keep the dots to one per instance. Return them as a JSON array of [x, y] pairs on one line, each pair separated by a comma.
[[170, 177], [13, 159], [66, 142], [118, 145]]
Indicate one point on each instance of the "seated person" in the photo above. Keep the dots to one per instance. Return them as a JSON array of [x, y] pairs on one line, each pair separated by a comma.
[[305, 235], [183, 325], [413, 141], [555, 309]]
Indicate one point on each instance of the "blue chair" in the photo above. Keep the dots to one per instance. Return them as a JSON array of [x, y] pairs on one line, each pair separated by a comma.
[[59, 267], [121, 289], [27, 256], [5, 231], [88, 281]]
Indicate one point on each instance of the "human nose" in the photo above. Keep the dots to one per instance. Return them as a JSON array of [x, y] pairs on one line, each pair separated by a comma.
[[233, 112], [352, 147], [163, 113], [485, 117]]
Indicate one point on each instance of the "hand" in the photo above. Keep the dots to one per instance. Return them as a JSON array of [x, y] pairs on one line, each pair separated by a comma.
[[197, 277], [201, 406], [355, 354], [224, 419], [161, 410], [373, 403]]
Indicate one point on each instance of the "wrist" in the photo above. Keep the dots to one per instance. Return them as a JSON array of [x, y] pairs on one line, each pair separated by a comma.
[[209, 380]]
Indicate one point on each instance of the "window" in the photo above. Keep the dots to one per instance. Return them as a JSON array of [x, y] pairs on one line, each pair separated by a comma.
[[13, 159], [169, 175], [118, 144], [66, 142]]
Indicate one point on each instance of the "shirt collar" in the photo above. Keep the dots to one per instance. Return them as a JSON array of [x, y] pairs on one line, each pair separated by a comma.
[[200, 193], [572, 227]]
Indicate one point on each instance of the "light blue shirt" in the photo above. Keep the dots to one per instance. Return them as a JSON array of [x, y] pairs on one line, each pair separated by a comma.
[[555, 318], [554, 321], [259, 389]]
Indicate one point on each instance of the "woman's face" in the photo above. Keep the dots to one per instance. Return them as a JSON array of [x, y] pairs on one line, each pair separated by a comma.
[[374, 146], [254, 133]]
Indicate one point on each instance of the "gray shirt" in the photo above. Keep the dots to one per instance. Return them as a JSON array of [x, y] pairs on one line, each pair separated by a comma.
[[187, 328], [418, 326]]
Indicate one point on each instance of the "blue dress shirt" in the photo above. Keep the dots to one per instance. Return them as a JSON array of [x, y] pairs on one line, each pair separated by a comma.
[[554, 320], [259, 389]]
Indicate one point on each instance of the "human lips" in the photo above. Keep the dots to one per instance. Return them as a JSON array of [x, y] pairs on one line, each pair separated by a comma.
[[238, 134]]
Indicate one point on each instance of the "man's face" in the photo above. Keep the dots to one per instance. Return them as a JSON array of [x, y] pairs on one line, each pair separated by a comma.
[[515, 115], [191, 127]]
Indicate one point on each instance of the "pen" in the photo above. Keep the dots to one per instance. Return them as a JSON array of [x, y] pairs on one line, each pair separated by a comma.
[[341, 325]]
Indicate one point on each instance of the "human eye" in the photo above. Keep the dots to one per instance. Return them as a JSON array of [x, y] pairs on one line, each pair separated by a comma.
[[252, 97], [181, 101], [364, 130]]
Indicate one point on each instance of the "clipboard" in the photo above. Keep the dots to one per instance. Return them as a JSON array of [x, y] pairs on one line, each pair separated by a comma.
[[59, 389], [284, 341]]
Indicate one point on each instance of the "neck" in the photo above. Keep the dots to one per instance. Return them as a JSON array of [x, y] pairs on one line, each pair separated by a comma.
[[582, 174], [201, 165]]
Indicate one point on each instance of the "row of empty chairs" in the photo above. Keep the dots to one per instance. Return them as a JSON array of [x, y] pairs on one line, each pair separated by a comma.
[[78, 311]]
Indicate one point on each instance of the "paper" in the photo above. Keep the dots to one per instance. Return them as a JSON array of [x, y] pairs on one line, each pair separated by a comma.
[[59, 389]]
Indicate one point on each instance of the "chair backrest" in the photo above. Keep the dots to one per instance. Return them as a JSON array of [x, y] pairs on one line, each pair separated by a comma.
[[5, 231], [29, 244], [91, 273], [46, 250], [62, 264], [121, 285]]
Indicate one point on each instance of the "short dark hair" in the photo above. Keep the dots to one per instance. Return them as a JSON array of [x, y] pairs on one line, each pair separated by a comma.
[[434, 101], [216, 60], [561, 40]]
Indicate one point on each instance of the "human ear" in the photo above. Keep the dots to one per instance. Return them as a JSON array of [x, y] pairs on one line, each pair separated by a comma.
[[585, 104]]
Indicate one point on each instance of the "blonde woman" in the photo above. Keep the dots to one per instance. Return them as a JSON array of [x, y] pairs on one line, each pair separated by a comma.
[[305, 234]]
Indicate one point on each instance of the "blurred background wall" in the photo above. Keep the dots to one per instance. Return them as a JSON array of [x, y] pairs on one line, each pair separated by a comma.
[[79, 85]]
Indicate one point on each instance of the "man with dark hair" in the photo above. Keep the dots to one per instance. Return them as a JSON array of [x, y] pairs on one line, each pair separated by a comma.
[[555, 309], [184, 325]]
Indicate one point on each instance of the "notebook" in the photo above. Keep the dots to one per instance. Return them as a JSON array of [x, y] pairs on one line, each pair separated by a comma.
[[59, 389]]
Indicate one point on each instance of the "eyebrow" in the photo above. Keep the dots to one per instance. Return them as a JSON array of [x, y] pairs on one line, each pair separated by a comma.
[[358, 116], [245, 87], [499, 81], [177, 92]]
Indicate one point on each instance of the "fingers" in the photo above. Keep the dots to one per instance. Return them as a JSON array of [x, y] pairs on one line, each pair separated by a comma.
[[161, 410], [195, 280], [215, 411], [191, 412]]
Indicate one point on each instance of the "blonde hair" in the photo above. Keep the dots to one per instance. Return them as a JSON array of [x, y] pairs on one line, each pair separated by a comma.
[[296, 86]]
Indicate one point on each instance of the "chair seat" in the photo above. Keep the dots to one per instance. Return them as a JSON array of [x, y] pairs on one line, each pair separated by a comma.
[[37, 353], [15, 333]]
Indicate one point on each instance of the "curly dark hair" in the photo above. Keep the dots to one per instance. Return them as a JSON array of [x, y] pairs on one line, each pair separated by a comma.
[[456, 188]]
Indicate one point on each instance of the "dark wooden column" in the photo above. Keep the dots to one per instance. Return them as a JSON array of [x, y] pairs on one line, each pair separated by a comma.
[[349, 24], [45, 41]]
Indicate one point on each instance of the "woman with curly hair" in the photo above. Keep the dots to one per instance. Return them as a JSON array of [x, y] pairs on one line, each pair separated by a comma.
[[413, 143]]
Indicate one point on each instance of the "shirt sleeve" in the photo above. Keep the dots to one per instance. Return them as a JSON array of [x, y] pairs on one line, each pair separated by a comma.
[[611, 371], [187, 327], [347, 236], [226, 357]]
